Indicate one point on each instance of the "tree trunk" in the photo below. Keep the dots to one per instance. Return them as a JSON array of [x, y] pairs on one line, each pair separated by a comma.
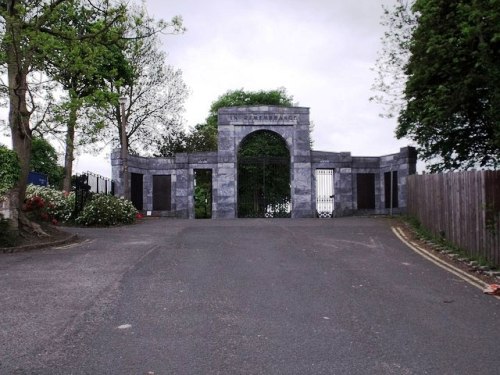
[[19, 115], [18, 66], [70, 141], [124, 153]]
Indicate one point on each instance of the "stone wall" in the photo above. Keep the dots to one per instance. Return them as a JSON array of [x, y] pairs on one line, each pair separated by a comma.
[[405, 163], [346, 167], [292, 124], [9, 207]]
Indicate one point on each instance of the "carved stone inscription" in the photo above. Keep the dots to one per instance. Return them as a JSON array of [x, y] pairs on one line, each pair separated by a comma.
[[263, 118]]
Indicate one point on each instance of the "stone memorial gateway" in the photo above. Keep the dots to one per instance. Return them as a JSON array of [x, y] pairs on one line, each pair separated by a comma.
[[299, 183]]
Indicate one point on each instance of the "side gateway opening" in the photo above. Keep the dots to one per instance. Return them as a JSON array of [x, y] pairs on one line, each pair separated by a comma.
[[324, 192], [202, 193], [264, 176]]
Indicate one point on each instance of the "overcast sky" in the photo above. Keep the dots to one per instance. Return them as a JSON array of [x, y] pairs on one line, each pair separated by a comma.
[[321, 51]]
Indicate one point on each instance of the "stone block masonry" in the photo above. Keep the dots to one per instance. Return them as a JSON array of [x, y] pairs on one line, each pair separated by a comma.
[[9, 208], [292, 125]]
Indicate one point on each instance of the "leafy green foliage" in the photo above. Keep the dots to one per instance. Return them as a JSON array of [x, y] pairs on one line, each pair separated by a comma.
[[203, 194], [453, 88], [84, 67], [9, 169], [263, 175], [263, 143], [171, 143], [448, 52], [240, 97], [49, 204], [106, 210], [31, 32], [203, 137], [44, 160]]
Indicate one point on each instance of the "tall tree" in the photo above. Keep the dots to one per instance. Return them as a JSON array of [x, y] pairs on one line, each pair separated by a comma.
[[84, 66], [399, 21], [452, 88], [155, 94], [171, 143], [24, 29]]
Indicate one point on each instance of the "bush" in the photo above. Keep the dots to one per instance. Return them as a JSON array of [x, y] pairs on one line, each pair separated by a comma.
[[49, 204], [9, 173], [105, 210]]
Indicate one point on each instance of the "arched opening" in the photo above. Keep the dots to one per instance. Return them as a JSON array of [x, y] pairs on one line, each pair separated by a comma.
[[264, 176]]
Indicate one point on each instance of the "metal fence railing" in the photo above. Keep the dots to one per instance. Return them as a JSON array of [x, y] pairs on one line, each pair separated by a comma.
[[100, 184], [87, 183]]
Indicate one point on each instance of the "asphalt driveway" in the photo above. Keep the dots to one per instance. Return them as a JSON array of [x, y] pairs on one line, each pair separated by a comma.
[[340, 296]]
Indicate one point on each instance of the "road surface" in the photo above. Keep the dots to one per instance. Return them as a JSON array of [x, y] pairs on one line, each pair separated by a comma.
[[248, 296]]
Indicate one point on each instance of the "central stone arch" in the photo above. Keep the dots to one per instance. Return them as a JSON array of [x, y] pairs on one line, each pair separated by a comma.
[[190, 185], [292, 125], [263, 183]]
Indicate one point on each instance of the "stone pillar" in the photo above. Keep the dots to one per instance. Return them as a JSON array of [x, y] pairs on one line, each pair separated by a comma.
[[226, 189], [404, 163], [182, 186], [407, 158], [302, 194], [344, 194], [117, 172], [9, 206]]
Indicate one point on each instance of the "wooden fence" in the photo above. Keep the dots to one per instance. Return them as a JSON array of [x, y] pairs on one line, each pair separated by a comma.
[[463, 207]]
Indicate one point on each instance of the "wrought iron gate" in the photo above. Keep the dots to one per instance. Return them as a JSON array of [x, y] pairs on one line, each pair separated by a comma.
[[82, 192], [264, 186], [324, 192]]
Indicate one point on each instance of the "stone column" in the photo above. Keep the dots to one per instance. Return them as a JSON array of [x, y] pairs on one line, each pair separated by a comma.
[[407, 166], [117, 172], [182, 186], [225, 207], [302, 194]]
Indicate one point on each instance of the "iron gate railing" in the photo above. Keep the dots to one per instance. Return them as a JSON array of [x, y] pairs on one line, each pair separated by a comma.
[[87, 183], [324, 192], [264, 187], [99, 184], [82, 192]]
